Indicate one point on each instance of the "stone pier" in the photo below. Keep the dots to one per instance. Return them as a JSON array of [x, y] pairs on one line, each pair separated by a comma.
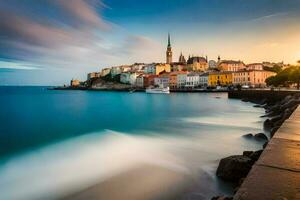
[[276, 175]]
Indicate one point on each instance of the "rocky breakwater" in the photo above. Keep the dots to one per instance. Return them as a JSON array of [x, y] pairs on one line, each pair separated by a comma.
[[235, 168]]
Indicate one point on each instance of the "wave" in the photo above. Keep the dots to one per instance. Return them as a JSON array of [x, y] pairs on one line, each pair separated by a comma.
[[68, 166]]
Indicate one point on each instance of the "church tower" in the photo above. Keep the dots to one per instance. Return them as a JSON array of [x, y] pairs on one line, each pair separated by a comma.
[[169, 51]]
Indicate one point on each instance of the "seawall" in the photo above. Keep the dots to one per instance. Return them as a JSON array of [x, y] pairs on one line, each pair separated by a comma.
[[276, 175], [259, 95]]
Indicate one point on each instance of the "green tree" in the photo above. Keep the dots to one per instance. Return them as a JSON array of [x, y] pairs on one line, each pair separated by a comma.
[[294, 76]]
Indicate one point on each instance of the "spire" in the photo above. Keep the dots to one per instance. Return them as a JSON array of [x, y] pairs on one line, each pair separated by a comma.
[[169, 41]]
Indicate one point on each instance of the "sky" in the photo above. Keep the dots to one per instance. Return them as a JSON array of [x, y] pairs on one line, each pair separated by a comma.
[[49, 42]]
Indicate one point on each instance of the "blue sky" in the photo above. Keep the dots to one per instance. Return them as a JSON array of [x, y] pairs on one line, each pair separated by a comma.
[[50, 42]]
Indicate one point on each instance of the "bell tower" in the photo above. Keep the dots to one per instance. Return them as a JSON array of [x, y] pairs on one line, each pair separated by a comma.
[[169, 51]]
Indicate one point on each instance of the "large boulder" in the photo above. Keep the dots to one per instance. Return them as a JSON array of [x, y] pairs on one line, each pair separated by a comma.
[[233, 168], [248, 135], [255, 155], [261, 136], [268, 124], [222, 198]]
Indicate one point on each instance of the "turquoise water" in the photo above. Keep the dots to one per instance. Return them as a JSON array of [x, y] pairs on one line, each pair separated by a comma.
[[48, 137]]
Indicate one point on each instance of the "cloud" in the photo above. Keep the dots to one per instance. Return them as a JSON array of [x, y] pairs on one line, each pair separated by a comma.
[[74, 38]]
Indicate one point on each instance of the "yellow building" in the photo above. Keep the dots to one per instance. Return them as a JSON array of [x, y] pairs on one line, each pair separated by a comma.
[[220, 78], [159, 68], [74, 83]]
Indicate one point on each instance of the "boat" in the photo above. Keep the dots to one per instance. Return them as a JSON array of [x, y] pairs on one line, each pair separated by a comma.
[[158, 90]]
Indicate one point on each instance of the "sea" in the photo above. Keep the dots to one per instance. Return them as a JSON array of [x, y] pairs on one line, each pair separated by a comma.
[[55, 143]]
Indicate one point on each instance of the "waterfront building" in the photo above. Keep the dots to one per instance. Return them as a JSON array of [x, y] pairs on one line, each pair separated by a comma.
[[198, 64], [115, 71], [140, 81], [255, 66], [192, 80], [162, 80], [138, 67], [75, 83], [149, 80], [203, 80], [231, 65], [169, 53], [125, 68], [253, 78], [93, 75], [157, 68], [128, 78], [220, 78], [173, 78], [178, 66], [105, 72], [181, 80]]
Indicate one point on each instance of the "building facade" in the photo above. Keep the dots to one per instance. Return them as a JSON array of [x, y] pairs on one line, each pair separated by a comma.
[[255, 66], [203, 80], [252, 78], [181, 80], [192, 80], [162, 80], [197, 64], [220, 79], [231, 65], [128, 78]]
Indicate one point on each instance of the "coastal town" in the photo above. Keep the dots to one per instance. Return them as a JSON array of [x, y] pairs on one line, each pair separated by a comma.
[[192, 73]]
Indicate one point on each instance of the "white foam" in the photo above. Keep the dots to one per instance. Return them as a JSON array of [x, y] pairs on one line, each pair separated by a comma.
[[77, 163]]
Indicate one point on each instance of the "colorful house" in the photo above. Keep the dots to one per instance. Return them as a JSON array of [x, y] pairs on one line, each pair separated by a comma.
[[231, 65], [192, 80], [173, 78], [253, 78], [162, 80], [220, 79]]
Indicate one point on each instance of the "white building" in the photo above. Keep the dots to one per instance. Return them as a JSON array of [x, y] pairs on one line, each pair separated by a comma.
[[115, 71], [255, 66], [128, 78], [192, 80], [150, 68], [140, 81], [162, 80], [181, 80], [203, 80], [105, 72]]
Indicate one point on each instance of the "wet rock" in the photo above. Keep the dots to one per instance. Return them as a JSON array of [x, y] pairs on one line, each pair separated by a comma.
[[249, 135], [222, 198], [255, 155], [268, 124], [233, 168], [257, 106], [261, 136], [247, 153], [245, 100]]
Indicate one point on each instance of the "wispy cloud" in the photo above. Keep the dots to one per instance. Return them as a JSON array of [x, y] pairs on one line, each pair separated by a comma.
[[268, 17]]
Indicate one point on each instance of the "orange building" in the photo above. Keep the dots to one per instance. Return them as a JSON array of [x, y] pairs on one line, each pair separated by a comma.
[[231, 65], [253, 78], [149, 80], [173, 78]]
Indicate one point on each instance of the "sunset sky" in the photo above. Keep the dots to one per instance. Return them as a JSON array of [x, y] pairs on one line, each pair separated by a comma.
[[49, 42]]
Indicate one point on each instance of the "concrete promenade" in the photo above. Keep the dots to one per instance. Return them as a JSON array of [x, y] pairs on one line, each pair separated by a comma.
[[276, 175]]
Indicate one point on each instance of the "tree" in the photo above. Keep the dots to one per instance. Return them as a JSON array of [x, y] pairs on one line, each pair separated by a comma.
[[295, 76]]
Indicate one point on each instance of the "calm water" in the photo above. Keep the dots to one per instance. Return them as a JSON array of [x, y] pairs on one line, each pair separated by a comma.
[[50, 140]]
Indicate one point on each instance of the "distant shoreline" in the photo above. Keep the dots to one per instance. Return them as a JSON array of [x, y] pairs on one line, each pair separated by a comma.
[[139, 90]]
